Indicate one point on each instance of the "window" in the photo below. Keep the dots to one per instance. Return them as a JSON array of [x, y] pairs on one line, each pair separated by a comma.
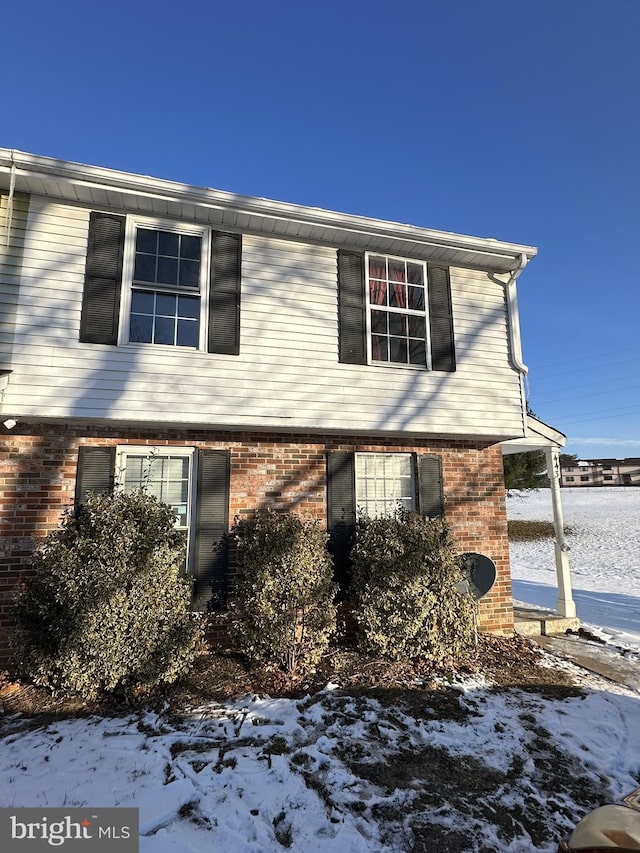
[[159, 283], [384, 481], [607, 468], [165, 473], [569, 468], [167, 270], [570, 479], [396, 309], [608, 476], [584, 478]]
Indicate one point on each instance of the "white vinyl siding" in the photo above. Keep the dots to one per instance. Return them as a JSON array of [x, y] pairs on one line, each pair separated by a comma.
[[287, 376]]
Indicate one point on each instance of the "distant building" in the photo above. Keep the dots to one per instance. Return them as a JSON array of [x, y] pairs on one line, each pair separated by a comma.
[[601, 472]]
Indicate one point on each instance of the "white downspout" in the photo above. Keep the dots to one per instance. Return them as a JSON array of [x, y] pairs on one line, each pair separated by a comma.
[[12, 187], [514, 316]]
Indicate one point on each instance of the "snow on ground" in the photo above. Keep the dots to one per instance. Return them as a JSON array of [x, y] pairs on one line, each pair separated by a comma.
[[512, 771], [604, 557]]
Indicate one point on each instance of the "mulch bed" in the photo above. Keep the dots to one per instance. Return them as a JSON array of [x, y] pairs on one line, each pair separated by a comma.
[[222, 675]]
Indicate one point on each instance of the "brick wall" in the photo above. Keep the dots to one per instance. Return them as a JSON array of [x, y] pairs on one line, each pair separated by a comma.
[[37, 481]]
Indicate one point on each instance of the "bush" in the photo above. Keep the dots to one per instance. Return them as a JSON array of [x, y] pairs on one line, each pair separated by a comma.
[[108, 608], [404, 573], [284, 610]]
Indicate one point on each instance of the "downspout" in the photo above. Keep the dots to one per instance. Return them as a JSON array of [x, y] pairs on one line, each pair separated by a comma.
[[514, 316], [12, 187], [515, 341]]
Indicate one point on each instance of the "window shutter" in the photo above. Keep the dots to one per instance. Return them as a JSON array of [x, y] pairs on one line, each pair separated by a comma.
[[96, 468], [430, 491], [212, 518], [443, 356], [351, 308], [341, 512], [103, 279], [224, 293]]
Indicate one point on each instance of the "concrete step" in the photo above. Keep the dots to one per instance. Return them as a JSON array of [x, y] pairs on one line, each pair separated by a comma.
[[535, 622]]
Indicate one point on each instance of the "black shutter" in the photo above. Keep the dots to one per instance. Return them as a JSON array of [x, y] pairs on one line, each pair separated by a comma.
[[96, 468], [224, 293], [212, 518], [430, 491], [351, 308], [443, 355], [103, 279], [341, 512]]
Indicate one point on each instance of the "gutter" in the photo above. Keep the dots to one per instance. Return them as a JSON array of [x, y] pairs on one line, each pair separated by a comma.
[[95, 177]]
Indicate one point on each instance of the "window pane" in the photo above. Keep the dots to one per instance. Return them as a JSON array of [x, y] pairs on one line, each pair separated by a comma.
[[167, 271], [414, 273], [141, 329], [147, 241], [188, 333], [189, 273], [416, 298], [165, 305], [417, 352], [398, 295], [188, 307], [190, 247], [145, 268], [168, 243], [397, 324], [142, 302], [398, 350], [379, 348], [134, 473], [378, 292], [377, 267], [417, 327], [164, 332], [396, 271], [379, 322]]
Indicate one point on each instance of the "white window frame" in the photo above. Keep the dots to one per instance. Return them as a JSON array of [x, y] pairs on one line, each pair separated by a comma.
[[361, 507], [405, 311], [132, 225], [123, 451]]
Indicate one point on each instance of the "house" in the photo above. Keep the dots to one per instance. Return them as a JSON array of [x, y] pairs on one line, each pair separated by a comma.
[[232, 353], [601, 472]]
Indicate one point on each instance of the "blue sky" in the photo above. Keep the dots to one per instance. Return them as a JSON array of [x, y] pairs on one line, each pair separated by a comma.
[[518, 121]]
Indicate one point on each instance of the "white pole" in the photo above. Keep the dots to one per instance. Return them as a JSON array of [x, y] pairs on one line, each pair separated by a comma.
[[566, 605]]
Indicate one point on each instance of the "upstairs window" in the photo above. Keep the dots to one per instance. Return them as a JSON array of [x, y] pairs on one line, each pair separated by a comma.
[[167, 287], [161, 283], [397, 310]]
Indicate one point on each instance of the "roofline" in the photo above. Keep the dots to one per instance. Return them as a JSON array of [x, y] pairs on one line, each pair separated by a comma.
[[26, 165]]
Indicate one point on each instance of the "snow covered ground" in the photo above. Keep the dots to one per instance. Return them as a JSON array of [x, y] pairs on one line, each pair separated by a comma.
[[503, 770], [604, 558]]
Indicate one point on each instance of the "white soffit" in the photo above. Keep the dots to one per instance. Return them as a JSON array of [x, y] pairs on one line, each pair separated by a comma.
[[539, 436]]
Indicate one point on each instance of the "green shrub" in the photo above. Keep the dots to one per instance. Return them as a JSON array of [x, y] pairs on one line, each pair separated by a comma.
[[108, 608], [404, 573], [283, 604]]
